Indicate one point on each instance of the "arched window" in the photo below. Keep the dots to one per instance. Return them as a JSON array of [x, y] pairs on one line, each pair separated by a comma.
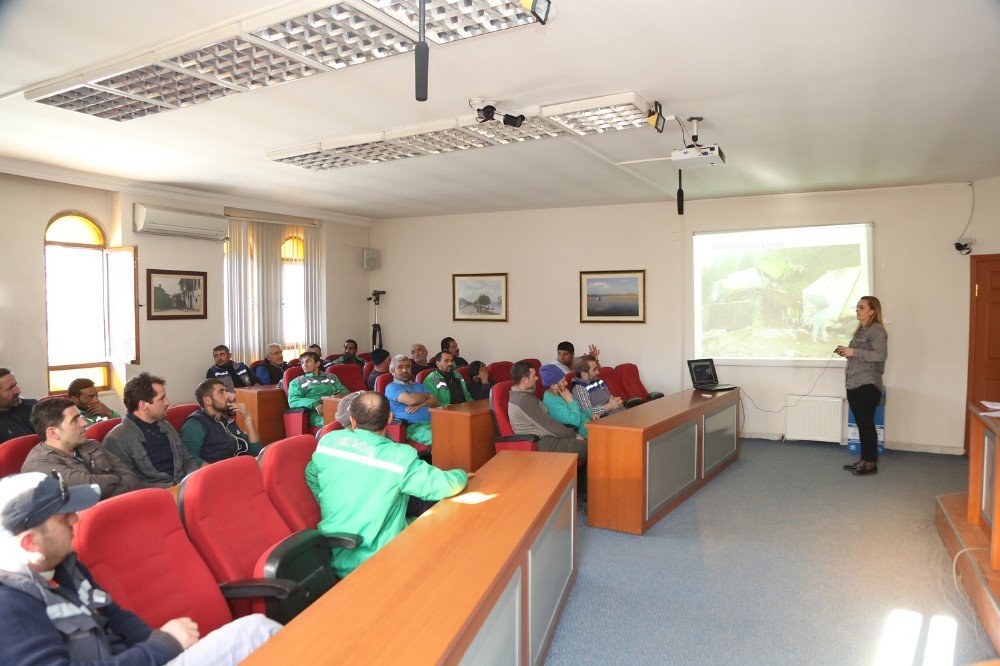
[[293, 302], [89, 301]]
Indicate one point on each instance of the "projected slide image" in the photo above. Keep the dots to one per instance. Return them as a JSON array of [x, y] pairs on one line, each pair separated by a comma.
[[778, 299]]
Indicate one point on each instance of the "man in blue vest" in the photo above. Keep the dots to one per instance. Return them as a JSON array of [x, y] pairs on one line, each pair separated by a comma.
[[53, 612], [227, 369], [210, 434]]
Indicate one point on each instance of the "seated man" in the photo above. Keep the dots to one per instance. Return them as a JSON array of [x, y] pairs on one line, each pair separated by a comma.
[[449, 345], [210, 434], [409, 400], [479, 383], [528, 416], [53, 611], [559, 402], [380, 366], [15, 412], [316, 349], [350, 355], [564, 356], [445, 383], [225, 368], [590, 391], [64, 447], [308, 390], [362, 481], [273, 368], [343, 415], [418, 354], [144, 441], [83, 393]]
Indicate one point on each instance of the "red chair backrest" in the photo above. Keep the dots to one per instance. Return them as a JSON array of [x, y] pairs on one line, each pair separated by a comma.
[[229, 517], [13, 453], [533, 361], [610, 377], [329, 427], [382, 381], [628, 377], [330, 357], [365, 355], [367, 370], [349, 375], [570, 376], [422, 375], [282, 465], [290, 374], [294, 362], [499, 371], [464, 371], [177, 414], [499, 397], [135, 545], [256, 364], [102, 428]]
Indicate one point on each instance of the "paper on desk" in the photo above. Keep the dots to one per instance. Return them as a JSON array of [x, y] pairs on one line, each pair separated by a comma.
[[990, 405]]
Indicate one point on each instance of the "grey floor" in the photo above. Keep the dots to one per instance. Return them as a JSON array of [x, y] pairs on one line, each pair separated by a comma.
[[783, 559]]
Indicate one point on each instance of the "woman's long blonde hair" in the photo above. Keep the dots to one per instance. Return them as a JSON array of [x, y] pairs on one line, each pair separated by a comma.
[[875, 305]]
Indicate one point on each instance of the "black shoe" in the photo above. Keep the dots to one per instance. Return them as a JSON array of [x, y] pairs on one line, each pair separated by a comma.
[[853, 466], [865, 471]]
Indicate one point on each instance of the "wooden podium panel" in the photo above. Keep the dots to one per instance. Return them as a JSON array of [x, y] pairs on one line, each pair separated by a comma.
[[330, 404], [266, 405], [462, 435], [643, 462], [424, 598]]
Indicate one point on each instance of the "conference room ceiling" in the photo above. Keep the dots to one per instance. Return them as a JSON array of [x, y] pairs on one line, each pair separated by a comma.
[[801, 96]]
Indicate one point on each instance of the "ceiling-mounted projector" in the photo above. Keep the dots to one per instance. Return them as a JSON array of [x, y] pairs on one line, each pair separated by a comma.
[[698, 156]]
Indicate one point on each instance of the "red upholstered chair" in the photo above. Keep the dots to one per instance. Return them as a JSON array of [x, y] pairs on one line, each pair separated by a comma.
[[349, 375], [499, 371], [329, 359], [533, 361], [365, 355], [464, 371], [610, 377], [499, 398], [242, 537], [296, 419], [98, 430], [294, 362], [382, 381], [290, 374], [422, 375], [13, 453], [397, 427], [177, 414], [329, 427], [628, 377], [137, 549], [282, 465], [366, 371]]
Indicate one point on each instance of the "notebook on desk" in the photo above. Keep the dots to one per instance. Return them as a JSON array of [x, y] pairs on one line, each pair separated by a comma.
[[704, 377]]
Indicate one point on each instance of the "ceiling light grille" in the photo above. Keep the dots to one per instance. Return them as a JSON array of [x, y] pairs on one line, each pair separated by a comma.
[[337, 37], [101, 103], [604, 119], [443, 141], [319, 161], [157, 84], [531, 129], [450, 21], [378, 151], [244, 64]]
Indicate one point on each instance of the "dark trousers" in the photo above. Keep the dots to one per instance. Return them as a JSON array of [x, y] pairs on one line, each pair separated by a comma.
[[863, 401]]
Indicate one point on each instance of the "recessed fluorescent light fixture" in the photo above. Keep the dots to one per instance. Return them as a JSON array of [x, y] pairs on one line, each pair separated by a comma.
[[600, 114], [436, 138], [451, 21]]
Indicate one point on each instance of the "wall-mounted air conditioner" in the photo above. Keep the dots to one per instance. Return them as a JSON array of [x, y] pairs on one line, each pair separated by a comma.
[[175, 222]]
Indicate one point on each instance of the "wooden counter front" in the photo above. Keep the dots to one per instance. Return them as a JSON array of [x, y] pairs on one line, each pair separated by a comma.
[[462, 435], [984, 433], [423, 598], [330, 404], [266, 405], [620, 457]]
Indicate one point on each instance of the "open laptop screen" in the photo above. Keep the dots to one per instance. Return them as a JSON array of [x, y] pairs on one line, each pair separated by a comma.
[[703, 371]]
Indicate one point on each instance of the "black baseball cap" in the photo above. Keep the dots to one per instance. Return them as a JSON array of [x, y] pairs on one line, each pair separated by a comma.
[[28, 500]]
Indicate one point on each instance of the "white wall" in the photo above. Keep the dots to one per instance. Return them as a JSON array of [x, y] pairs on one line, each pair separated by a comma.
[[347, 287], [921, 279]]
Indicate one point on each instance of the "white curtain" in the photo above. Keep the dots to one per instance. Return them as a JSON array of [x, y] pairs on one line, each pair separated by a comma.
[[243, 330], [269, 240], [315, 284]]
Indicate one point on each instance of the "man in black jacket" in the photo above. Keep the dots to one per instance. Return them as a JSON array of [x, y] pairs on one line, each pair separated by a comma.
[[15, 413], [53, 612]]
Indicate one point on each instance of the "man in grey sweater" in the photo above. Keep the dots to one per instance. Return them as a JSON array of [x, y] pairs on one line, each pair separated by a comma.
[[528, 415]]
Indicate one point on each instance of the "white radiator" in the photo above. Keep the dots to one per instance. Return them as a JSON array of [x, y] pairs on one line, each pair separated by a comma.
[[814, 418]]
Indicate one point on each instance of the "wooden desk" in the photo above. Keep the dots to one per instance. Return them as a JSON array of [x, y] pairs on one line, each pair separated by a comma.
[[330, 404], [643, 462], [481, 578], [266, 405], [462, 435]]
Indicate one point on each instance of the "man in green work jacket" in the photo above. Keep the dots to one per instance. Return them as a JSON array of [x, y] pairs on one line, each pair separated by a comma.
[[446, 384], [363, 480], [308, 390]]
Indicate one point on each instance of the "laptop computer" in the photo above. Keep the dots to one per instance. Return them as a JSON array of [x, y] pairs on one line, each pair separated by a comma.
[[704, 377]]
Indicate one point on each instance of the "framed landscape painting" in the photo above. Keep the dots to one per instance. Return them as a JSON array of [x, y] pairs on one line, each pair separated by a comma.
[[175, 294], [613, 296], [479, 297]]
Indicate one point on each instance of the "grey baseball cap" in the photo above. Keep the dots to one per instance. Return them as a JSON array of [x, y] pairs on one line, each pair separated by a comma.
[[28, 500]]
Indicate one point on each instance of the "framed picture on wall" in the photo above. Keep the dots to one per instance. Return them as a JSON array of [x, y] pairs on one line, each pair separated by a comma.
[[613, 296], [479, 297], [176, 294]]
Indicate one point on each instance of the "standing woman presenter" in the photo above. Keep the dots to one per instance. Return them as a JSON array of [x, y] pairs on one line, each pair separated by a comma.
[[865, 365]]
